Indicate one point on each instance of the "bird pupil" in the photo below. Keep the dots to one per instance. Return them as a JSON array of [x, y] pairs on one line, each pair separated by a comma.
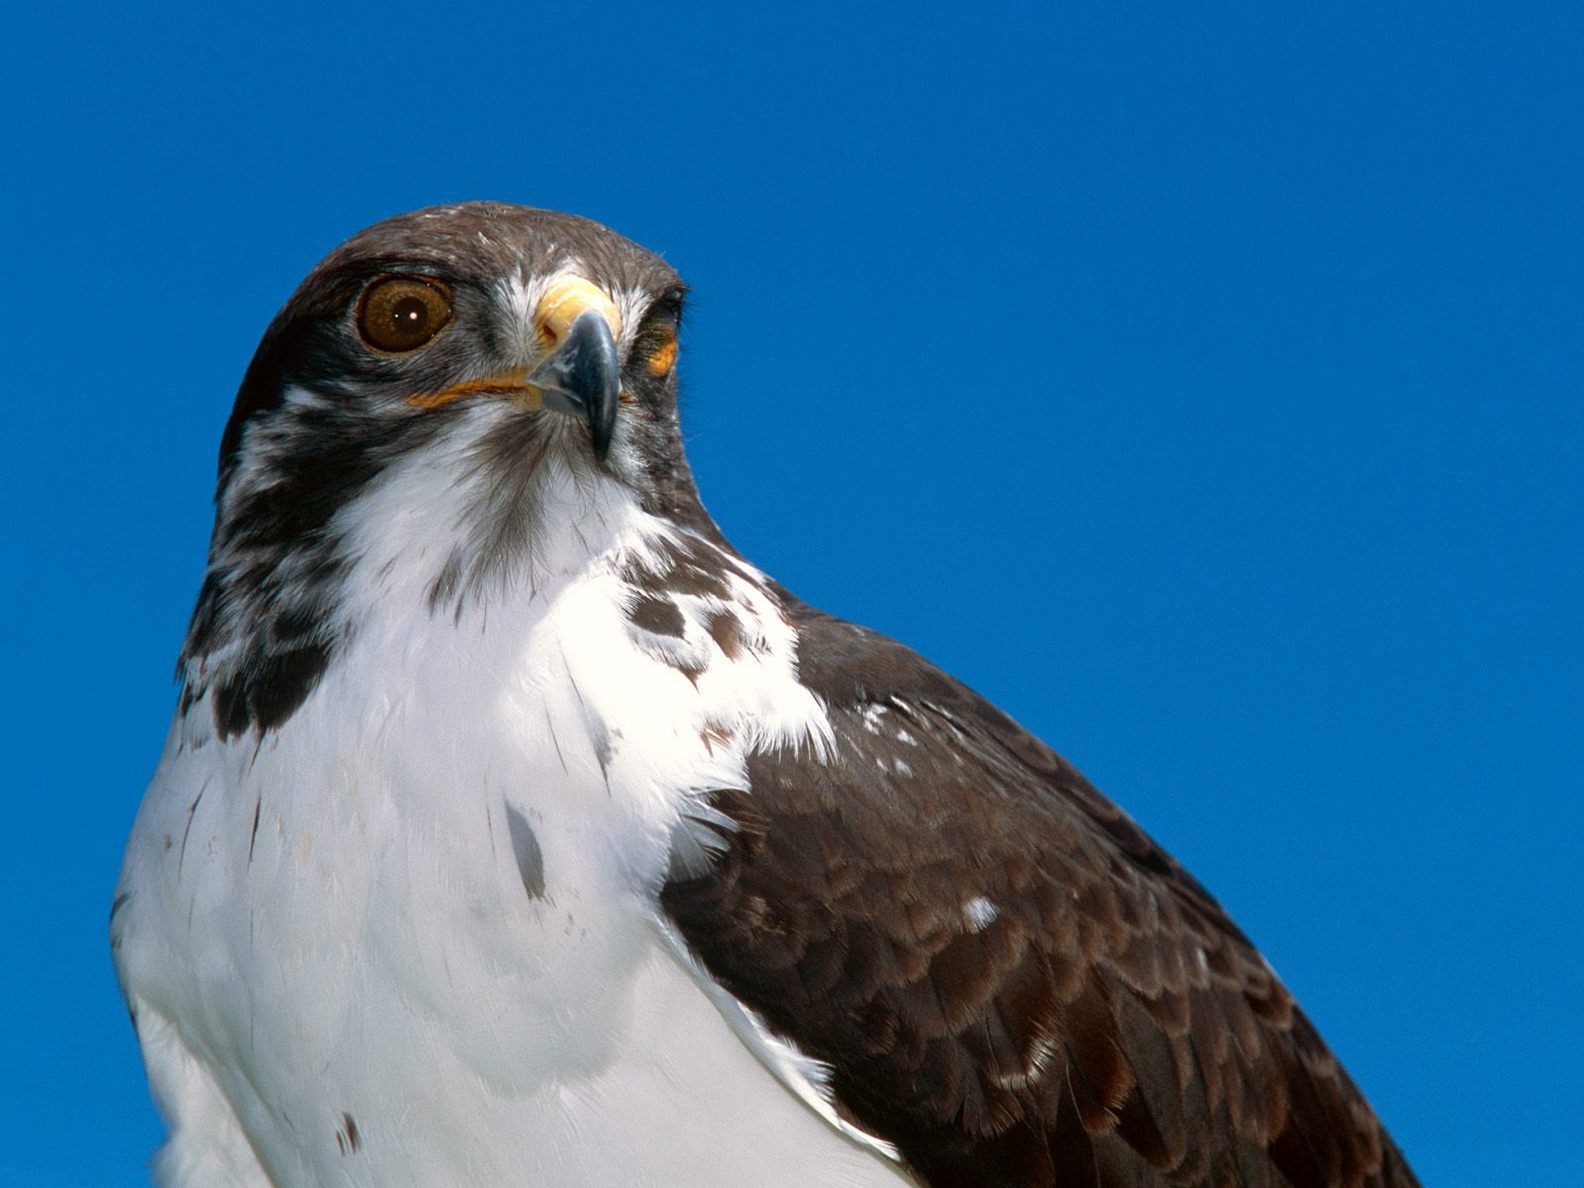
[[410, 314]]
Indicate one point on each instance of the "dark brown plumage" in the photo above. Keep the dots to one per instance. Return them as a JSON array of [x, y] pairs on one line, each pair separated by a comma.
[[1093, 1018]]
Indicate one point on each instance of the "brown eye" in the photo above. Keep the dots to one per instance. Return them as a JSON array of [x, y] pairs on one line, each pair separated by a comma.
[[402, 313], [656, 344]]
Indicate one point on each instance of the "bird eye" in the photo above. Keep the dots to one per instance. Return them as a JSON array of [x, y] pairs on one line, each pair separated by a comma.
[[656, 344], [402, 313]]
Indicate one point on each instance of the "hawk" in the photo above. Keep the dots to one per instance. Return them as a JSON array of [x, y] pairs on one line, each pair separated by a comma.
[[513, 829]]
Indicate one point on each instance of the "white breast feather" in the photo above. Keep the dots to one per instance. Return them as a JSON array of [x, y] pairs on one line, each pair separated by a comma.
[[338, 974]]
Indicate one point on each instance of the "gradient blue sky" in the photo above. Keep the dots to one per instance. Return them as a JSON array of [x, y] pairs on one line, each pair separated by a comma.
[[1204, 383]]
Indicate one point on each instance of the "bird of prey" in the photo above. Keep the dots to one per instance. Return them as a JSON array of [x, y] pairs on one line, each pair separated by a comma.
[[513, 829]]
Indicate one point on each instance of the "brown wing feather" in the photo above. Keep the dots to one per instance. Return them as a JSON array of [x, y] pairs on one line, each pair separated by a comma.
[[1109, 1026]]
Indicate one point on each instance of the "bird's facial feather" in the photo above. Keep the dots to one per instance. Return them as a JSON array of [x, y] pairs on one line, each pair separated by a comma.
[[409, 327], [460, 302]]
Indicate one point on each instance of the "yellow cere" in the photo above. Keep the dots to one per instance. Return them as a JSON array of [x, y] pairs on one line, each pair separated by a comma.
[[565, 301]]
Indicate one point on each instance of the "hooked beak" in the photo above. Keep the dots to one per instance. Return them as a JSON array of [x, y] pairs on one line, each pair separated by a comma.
[[582, 377], [581, 374]]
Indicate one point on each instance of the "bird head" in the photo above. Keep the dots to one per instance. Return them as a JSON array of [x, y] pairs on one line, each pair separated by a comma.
[[452, 385], [476, 319]]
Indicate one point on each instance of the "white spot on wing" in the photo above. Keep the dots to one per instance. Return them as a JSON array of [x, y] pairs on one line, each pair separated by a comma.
[[980, 913]]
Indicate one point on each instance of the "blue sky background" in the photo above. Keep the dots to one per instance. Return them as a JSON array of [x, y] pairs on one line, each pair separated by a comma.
[[1204, 383]]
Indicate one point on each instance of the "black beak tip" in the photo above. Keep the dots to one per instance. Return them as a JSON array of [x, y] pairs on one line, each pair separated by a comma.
[[595, 377], [602, 419], [587, 369]]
